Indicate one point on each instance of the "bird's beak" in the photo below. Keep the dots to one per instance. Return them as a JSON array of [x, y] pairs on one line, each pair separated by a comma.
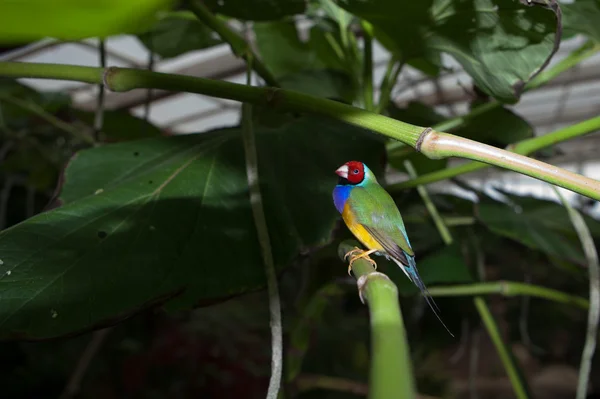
[[342, 171]]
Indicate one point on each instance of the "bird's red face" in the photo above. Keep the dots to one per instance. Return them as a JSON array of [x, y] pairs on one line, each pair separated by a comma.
[[352, 171]]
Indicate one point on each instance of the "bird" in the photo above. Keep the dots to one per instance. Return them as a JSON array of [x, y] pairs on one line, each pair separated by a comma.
[[373, 218]]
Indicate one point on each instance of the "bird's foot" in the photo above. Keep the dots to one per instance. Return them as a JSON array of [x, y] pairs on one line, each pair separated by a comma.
[[357, 254]]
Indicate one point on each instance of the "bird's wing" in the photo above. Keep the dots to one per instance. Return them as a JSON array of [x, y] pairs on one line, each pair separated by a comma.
[[376, 211]]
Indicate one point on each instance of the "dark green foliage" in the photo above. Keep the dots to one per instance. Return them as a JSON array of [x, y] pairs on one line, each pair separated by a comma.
[[177, 33], [500, 49]]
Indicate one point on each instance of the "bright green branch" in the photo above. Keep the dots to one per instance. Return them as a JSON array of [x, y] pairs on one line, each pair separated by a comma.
[[433, 144], [591, 255], [239, 46], [368, 66], [524, 147], [494, 332], [509, 289], [391, 370], [262, 231]]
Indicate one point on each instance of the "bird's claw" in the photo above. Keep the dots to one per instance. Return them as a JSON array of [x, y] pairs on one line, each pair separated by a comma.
[[356, 254]]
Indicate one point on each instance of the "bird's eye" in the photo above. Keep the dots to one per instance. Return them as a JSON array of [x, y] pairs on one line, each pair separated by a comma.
[[355, 171]]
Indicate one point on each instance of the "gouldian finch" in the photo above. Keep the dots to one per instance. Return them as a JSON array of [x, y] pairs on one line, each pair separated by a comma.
[[372, 216]]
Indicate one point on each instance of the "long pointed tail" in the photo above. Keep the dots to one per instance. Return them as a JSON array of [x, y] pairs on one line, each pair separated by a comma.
[[413, 275]]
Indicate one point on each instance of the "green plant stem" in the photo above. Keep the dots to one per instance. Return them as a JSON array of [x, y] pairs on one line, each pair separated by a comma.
[[480, 303], [262, 231], [99, 115], [397, 149], [524, 147], [368, 65], [509, 289], [391, 370], [591, 254], [48, 117], [585, 51], [505, 357], [125, 79], [433, 212], [433, 144], [238, 45]]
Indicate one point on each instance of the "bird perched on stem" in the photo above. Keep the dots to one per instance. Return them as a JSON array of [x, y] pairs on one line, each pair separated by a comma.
[[372, 216]]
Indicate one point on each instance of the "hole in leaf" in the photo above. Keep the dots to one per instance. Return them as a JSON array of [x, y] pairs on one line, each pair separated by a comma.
[[135, 154], [149, 181], [102, 234]]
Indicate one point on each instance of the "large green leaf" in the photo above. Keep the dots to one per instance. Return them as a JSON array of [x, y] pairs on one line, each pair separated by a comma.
[[537, 224], [28, 20], [501, 43], [582, 16], [257, 10], [177, 33], [147, 220]]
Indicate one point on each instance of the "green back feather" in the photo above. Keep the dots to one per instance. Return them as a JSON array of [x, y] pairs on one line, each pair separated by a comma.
[[375, 209]]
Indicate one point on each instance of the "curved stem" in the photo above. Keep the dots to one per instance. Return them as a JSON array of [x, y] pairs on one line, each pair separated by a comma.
[[524, 147], [391, 369], [436, 145], [262, 231], [442, 145], [591, 254]]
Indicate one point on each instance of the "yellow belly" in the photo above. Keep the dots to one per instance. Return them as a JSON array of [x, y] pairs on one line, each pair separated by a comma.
[[359, 231]]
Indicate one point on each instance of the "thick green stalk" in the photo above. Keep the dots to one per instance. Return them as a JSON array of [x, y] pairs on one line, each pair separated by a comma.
[[262, 231], [391, 373], [591, 255], [396, 149], [433, 144], [494, 332], [509, 289], [368, 65], [125, 79], [524, 147], [239, 46]]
